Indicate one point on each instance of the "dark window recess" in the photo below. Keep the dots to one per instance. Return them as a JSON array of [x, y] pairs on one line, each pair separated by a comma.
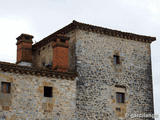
[[39, 52], [47, 91], [5, 87], [62, 40], [118, 109], [116, 59], [43, 48], [49, 65], [43, 63], [120, 97]]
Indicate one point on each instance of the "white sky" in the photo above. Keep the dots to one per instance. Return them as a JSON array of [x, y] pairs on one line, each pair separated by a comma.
[[43, 17]]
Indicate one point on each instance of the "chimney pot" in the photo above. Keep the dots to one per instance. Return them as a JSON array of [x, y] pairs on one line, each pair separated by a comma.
[[61, 54], [24, 49]]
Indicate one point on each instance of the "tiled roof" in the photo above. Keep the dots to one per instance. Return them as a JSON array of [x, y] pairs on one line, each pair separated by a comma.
[[49, 39], [10, 67], [97, 29]]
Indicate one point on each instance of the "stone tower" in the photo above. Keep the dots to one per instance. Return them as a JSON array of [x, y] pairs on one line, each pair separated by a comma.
[[114, 72]]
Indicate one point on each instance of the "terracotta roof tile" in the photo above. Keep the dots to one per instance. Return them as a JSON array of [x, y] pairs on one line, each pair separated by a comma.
[[10, 67]]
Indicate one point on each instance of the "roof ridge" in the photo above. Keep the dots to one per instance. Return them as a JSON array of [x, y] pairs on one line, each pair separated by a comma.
[[98, 29], [74, 21]]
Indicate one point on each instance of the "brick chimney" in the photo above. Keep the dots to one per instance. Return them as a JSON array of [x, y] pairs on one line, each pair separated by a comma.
[[61, 54], [24, 50]]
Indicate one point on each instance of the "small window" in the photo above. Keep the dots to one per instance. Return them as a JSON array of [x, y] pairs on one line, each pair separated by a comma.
[[118, 109], [43, 48], [39, 52], [47, 91], [116, 59], [120, 97], [43, 63], [5, 87]]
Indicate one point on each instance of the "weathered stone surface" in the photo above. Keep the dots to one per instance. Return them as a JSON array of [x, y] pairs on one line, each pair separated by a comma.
[[43, 55], [98, 76], [91, 95], [28, 101]]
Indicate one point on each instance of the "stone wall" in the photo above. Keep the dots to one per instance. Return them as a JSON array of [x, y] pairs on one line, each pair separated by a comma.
[[99, 78], [43, 55], [72, 56], [26, 100]]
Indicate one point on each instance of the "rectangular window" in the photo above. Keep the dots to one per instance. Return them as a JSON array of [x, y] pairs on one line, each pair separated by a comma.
[[120, 97], [47, 91], [118, 109], [116, 59], [5, 87]]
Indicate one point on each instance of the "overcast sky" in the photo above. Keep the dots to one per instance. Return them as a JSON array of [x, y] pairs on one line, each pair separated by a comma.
[[43, 17]]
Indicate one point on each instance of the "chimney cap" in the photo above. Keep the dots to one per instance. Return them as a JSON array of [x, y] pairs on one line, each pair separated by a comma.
[[26, 36]]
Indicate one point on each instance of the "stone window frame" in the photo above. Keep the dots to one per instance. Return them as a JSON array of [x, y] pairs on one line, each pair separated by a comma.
[[6, 96], [120, 107], [121, 90], [6, 87], [117, 67]]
